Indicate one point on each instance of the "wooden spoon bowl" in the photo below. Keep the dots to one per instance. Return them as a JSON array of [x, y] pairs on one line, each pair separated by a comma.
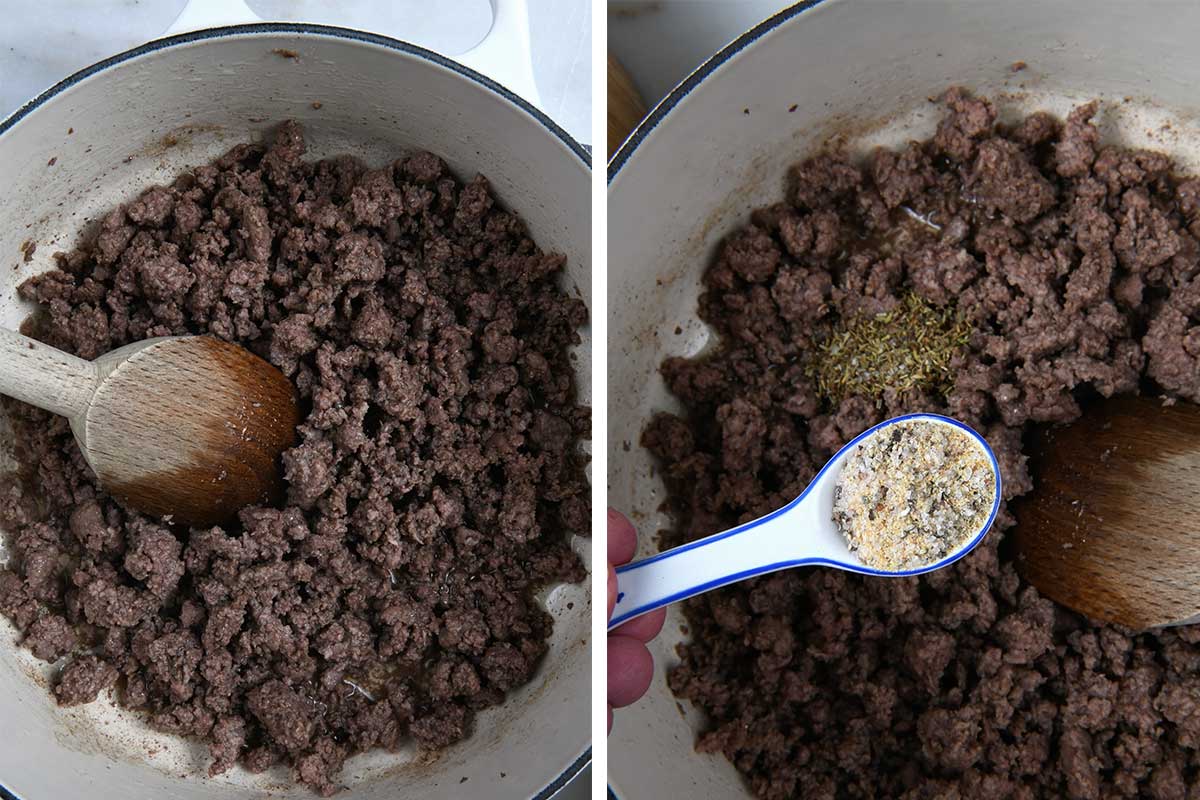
[[1112, 527], [188, 426], [207, 421]]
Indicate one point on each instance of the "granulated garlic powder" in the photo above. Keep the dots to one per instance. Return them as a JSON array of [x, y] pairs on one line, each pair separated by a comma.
[[912, 494]]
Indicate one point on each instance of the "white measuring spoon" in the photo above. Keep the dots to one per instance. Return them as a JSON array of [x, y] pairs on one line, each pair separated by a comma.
[[802, 533]]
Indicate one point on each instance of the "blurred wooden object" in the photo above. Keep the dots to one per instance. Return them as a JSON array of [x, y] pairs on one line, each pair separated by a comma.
[[1112, 526], [625, 106]]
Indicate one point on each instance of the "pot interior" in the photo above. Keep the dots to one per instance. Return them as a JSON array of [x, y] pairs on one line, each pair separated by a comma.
[[144, 119], [720, 146]]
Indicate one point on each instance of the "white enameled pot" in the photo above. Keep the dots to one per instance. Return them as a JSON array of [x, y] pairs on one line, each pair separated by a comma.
[[141, 117], [720, 144]]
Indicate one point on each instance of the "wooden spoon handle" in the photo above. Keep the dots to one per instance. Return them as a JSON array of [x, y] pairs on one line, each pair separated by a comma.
[[42, 376]]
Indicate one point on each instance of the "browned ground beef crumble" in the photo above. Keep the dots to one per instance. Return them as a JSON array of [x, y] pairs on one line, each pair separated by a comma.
[[433, 490], [1079, 267]]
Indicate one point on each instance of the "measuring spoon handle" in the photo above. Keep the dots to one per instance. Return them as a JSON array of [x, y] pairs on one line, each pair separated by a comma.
[[754, 548]]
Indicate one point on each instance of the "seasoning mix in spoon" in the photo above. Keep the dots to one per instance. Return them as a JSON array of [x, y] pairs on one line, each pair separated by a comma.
[[913, 495]]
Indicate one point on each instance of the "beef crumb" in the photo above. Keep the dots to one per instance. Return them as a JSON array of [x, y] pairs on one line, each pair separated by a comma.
[[1077, 265], [433, 491]]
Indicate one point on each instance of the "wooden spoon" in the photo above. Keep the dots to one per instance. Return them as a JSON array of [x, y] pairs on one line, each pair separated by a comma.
[[187, 426], [1112, 527]]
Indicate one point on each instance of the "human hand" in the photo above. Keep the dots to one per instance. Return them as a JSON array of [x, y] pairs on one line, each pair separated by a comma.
[[630, 666]]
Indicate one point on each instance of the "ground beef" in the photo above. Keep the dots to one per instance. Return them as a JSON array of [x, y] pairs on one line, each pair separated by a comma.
[[433, 490], [1077, 266], [83, 679]]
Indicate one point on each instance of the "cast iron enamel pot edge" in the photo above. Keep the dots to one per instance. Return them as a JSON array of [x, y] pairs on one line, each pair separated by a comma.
[[98, 137]]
